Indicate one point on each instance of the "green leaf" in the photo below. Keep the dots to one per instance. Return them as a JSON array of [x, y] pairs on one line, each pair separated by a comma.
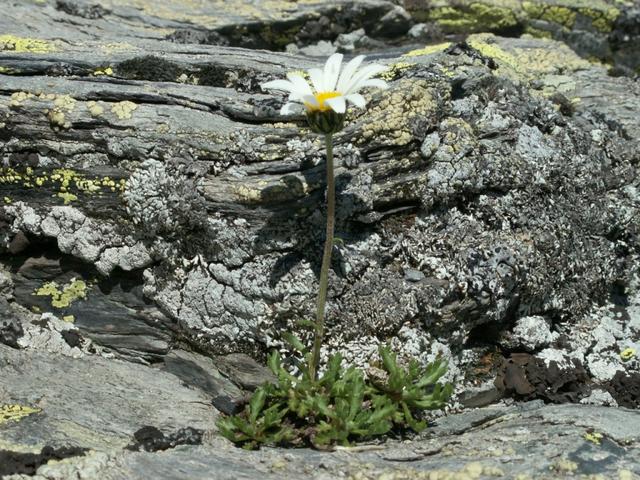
[[306, 324], [433, 373], [256, 403], [295, 342], [274, 362], [388, 359]]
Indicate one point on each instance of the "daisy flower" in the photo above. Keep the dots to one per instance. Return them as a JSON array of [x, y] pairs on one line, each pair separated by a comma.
[[330, 88]]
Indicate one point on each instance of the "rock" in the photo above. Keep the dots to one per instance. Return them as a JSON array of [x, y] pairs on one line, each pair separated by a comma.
[[531, 333], [93, 402], [412, 275], [28, 463], [167, 202], [356, 40], [625, 388], [606, 30], [321, 49], [599, 397], [394, 23], [527, 377], [10, 327], [536, 440], [247, 271], [244, 370], [203, 373], [425, 32]]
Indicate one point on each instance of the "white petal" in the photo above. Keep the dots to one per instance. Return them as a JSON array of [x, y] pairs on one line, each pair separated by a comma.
[[291, 108], [365, 74], [332, 71], [278, 85], [311, 100], [302, 87], [357, 99], [317, 78], [374, 83], [348, 71], [337, 104]]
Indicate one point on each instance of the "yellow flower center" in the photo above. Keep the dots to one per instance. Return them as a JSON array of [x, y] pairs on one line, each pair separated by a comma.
[[321, 98]]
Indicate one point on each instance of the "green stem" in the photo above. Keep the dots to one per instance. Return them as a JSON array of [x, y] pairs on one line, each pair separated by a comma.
[[326, 260]]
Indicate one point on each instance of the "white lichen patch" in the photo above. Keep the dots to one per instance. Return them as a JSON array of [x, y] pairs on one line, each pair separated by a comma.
[[18, 98], [95, 109], [124, 110]]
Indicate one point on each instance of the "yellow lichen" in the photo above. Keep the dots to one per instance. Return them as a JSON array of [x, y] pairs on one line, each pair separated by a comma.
[[428, 50], [61, 179], [103, 71], [627, 354], [528, 63], [67, 197], [390, 120], [14, 413], [69, 318], [7, 200], [248, 194], [124, 110], [565, 12], [395, 70], [551, 13], [74, 290], [593, 437], [601, 19], [22, 45], [474, 16], [538, 33]]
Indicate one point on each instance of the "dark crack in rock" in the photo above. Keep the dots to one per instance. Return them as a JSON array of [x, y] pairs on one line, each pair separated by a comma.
[[625, 389]]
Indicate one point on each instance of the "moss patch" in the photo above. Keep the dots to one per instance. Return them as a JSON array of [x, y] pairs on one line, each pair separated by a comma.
[[149, 68]]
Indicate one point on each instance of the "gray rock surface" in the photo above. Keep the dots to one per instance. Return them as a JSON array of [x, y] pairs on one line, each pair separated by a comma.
[[167, 188], [530, 440], [94, 402], [153, 204]]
